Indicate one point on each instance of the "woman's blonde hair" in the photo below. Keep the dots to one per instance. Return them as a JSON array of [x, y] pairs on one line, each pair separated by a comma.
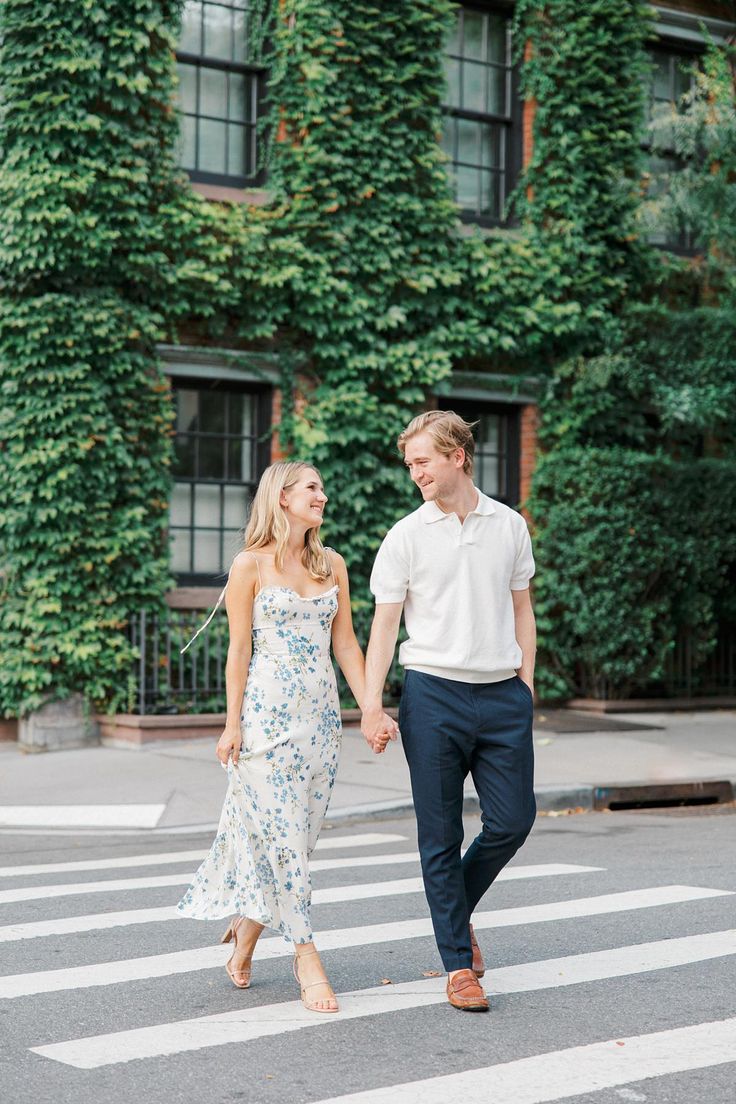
[[448, 432], [267, 522]]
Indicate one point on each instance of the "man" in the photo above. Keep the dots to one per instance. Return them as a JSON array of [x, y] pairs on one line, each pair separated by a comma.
[[459, 568]]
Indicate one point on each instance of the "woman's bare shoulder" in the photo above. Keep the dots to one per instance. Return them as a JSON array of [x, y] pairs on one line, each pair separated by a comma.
[[244, 568]]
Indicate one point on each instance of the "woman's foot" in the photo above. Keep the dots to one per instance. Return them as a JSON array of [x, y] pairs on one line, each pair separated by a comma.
[[244, 933], [317, 993]]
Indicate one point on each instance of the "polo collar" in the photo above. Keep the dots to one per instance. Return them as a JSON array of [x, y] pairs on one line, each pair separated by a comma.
[[431, 512]]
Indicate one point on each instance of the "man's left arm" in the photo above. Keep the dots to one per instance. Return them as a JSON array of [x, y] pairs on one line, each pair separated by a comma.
[[526, 634]]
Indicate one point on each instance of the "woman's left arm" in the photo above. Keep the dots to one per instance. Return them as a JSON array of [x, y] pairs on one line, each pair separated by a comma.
[[345, 644]]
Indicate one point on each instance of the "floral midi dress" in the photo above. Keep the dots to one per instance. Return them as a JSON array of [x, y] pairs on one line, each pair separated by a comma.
[[278, 792]]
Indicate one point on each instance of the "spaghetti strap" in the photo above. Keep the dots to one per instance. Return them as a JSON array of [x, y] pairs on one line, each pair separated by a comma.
[[332, 570], [258, 569], [203, 627]]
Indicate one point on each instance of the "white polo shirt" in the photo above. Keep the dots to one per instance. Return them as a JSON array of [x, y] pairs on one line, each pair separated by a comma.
[[455, 582]]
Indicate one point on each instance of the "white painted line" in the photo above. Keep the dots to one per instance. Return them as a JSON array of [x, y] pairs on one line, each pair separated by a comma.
[[329, 842], [73, 889], [160, 859], [369, 839], [253, 1023], [104, 920], [85, 816], [563, 1074], [207, 958]]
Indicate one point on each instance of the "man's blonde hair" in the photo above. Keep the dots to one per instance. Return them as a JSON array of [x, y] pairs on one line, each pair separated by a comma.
[[448, 432]]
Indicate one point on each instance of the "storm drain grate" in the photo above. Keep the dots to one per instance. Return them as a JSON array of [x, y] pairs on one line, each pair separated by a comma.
[[673, 795]]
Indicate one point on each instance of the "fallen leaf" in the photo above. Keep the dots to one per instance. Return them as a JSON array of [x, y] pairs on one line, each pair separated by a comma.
[[386, 981], [431, 973], [619, 1043]]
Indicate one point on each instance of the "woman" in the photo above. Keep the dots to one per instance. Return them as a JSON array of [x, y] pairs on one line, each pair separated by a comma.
[[287, 597]]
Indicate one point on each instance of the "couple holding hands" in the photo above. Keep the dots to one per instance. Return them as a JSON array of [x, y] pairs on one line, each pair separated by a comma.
[[459, 569]]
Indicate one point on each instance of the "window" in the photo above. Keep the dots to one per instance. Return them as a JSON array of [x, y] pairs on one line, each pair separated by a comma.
[[481, 131], [220, 455], [220, 90], [670, 79], [496, 467]]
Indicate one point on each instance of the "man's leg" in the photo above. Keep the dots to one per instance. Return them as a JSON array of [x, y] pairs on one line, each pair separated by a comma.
[[435, 722], [503, 771]]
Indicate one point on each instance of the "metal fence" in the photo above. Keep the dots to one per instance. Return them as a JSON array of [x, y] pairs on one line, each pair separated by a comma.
[[164, 681]]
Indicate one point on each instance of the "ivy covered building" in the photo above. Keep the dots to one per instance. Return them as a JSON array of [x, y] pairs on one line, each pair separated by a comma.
[[235, 228]]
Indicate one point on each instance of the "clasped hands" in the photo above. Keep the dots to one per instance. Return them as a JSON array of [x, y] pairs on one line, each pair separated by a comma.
[[378, 728]]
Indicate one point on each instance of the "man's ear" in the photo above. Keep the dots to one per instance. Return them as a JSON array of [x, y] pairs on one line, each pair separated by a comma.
[[459, 457]]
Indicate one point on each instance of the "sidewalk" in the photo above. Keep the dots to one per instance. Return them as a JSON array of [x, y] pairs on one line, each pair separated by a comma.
[[177, 786]]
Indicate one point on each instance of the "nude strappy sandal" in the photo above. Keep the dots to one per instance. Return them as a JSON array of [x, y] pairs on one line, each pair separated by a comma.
[[231, 935], [311, 1005]]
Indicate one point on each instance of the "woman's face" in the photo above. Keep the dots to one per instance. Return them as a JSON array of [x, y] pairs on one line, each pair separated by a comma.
[[305, 500]]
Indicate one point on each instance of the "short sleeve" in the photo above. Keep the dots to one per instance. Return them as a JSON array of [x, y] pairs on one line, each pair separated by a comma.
[[390, 575], [524, 563]]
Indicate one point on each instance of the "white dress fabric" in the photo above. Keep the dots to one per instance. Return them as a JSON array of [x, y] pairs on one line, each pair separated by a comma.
[[278, 792]]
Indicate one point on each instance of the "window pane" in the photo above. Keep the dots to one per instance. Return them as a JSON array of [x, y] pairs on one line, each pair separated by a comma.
[[473, 36], [212, 407], [188, 88], [241, 414], [234, 507], [473, 93], [497, 39], [467, 187], [452, 72], [232, 543], [496, 101], [240, 36], [180, 512], [181, 546], [236, 163], [211, 458], [488, 475], [491, 147], [188, 142], [491, 202], [207, 505], [217, 32], [236, 104], [488, 432], [191, 28], [468, 148], [187, 408], [212, 138], [213, 93], [207, 551], [185, 453], [661, 79]]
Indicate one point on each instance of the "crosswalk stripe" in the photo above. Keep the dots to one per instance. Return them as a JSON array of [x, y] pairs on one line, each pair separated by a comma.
[[105, 920], [83, 816], [562, 1074], [116, 885], [205, 958], [247, 1024], [325, 843]]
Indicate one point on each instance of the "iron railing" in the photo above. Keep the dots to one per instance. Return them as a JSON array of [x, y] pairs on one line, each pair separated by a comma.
[[165, 681]]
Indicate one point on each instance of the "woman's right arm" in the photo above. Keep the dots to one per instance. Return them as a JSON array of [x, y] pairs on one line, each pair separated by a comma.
[[239, 604]]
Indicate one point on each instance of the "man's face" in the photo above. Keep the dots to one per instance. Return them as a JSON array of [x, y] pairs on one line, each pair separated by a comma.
[[435, 475]]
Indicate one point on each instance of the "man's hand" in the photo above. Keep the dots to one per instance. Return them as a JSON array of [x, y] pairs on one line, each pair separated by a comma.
[[378, 728]]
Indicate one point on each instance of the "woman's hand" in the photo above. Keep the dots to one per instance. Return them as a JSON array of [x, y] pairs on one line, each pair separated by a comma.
[[229, 744]]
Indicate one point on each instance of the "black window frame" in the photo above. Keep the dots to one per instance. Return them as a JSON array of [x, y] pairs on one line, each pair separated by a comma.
[[261, 458], [685, 52], [473, 410], [512, 124], [258, 73]]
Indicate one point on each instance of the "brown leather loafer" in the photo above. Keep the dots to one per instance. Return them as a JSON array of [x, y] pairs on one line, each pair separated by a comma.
[[465, 992], [479, 966]]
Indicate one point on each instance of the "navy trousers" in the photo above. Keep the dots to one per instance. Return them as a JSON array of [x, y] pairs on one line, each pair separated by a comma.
[[448, 729]]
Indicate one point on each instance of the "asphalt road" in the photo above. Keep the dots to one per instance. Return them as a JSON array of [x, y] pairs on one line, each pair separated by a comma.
[[614, 941]]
